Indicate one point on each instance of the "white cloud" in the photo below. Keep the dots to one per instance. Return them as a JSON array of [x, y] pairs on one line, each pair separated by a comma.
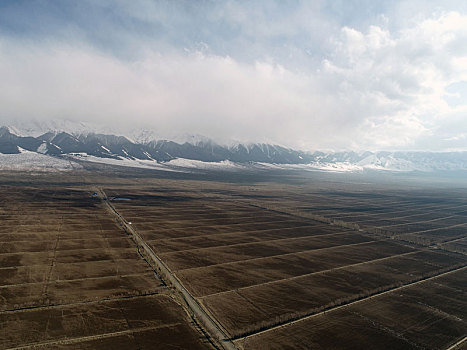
[[396, 82], [213, 95], [375, 89]]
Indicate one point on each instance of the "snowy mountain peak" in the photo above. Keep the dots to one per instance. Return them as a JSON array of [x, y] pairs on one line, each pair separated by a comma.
[[87, 142], [36, 128], [4, 130]]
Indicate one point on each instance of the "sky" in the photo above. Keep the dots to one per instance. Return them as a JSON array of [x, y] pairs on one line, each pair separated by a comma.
[[312, 75]]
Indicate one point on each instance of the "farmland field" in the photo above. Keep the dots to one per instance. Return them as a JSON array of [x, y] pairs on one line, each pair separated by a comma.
[[427, 315], [71, 278], [274, 262], [261, 257]]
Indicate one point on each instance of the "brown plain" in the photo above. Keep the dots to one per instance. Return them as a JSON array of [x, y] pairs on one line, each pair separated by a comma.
[[278, 264]]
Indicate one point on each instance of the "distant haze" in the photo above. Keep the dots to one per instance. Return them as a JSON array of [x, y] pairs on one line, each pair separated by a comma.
[[376, 75]]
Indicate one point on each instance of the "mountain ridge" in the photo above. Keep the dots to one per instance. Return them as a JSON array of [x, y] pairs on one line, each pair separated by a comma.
[[108, 146], [112, 146]]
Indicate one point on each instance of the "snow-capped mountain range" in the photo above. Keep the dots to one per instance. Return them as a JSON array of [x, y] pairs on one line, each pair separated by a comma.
[[144, 149]]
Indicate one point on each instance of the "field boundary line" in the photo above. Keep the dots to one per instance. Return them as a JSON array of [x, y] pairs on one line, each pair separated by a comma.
[[340, 221], [70, 239], [209, 224], [437, 209], [455, 345], [280, 255], [90, 337], [48, 232], [375, 295], [83, 302], [79, 279], [431, 229], [175, 217], [417, 222], [307, 274], [229, 225], [46, 283], [70, 250], [371, 231], [460, 238], [203, 220], [69, 263], [255, 242], [235, 232]]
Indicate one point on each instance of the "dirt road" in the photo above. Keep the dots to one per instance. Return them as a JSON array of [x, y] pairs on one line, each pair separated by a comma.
[[214, 329]]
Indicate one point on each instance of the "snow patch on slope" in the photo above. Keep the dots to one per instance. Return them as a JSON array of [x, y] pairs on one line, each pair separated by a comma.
[[372, 162], [42, 148], [134, 163], [176, 165], [340, 167], [331, 167], [198, 164], [32, 161]]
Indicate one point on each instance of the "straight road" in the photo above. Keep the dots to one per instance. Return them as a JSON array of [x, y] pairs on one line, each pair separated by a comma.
[[214, 329]]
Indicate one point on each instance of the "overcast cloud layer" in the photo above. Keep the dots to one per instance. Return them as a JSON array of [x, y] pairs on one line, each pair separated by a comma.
[[311, 75]]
